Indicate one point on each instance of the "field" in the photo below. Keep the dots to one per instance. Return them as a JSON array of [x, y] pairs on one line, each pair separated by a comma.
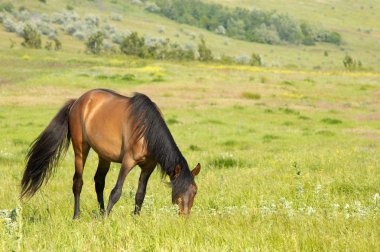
[[290, 155]]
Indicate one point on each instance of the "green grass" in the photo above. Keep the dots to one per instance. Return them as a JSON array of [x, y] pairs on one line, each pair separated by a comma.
[[252, 96], [297, 169]]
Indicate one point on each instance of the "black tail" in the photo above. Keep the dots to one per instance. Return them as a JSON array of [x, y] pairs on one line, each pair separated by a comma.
[[46, 151]]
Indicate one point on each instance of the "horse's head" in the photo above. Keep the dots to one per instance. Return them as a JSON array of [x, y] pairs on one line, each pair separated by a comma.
[[185, 198]]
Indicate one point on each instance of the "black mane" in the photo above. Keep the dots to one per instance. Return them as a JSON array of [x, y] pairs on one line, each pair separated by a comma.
[[149, 123]]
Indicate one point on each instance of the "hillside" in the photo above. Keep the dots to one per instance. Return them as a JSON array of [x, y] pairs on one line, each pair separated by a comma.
[[359, 44]]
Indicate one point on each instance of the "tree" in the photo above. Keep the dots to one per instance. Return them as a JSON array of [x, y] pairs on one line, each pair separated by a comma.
[[205, 53], [32, 38], [134, 45], [94, 43], [255, 60]]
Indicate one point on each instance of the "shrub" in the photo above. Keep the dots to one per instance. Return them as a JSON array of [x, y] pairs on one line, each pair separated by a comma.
[[24, 15], [79, 35], [352, 64], [48, 45], [32, 38], [152, 7], [45, 28], [52, 36], [255, 60], [116, 17], [242, 59], [57, 44], [220, 30], [94, 43], [6, 7], [134, 45], [225, 59], [205, 53], [118, 37], [9, 23], [71, 28], [58, 18], [45, 18], [92, 20], [161, 29], [265, 34]]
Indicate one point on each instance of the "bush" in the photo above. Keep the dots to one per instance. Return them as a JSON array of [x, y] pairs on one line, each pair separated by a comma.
[[94, 43], [220, 30], [352, 64], [32, 38], [152, 7], [48, 45], [45, 28], [24, 15], [57, 44], [242, 59], [205, 53], [79, 35], [92, 20], [6, 7], [116, 17], [265, 34], [69, 7], [134, 45], [71, 28], [58, 18], [255, 60], [9, 23], [225, 59]]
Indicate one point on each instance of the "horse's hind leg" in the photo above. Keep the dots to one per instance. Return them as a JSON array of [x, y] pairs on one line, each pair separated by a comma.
[[81, 151], [99, 179], [146, 171]]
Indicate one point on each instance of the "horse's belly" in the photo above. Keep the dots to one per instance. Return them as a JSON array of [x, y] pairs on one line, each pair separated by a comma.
[[105, 136], [110, 149]]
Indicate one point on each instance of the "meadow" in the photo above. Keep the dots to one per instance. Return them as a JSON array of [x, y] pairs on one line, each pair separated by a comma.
[[290, 155]]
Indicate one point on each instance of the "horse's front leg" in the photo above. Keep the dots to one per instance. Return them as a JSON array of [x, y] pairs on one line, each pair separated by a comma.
[[146, 171], [126, 167]]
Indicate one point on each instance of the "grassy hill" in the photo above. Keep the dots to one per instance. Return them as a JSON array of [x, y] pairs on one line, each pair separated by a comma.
[[344, 18]]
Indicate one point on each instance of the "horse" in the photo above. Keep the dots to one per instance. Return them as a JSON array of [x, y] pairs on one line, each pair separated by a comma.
[[126, 130]]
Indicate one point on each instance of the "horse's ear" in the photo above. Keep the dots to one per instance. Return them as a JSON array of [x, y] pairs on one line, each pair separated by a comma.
[[196, 170], [177, 170]]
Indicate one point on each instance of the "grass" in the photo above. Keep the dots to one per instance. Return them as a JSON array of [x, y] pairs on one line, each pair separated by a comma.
[[296, 170], [252, 96]]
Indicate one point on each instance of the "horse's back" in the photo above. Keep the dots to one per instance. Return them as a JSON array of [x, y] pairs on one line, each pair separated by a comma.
[[99, 118]]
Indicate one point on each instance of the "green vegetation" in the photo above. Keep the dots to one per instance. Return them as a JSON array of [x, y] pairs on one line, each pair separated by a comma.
[[289, 154], [352, 64], [255, 25], [94, 43], [32, 38]]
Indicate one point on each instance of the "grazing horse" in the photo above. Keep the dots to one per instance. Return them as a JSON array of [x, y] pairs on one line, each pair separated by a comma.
[[126, 130]]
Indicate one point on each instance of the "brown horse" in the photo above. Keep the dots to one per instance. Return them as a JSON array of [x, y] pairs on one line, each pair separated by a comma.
[[126, 130]]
